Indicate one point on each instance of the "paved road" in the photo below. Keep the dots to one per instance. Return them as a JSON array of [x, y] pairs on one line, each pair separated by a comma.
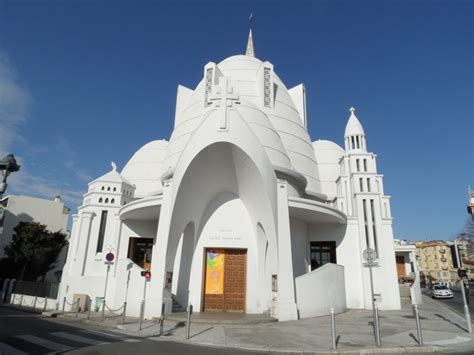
[[29, 333], [456, 303], [24, 332]]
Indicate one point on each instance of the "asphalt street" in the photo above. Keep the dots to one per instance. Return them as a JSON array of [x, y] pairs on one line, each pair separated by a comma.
[[456, 303], [23, 332]]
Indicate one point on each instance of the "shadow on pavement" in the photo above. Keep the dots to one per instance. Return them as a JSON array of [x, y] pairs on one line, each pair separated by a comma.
[[449, 321]]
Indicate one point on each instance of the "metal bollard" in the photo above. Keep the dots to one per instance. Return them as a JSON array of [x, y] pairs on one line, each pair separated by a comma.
[[77, 308], [333, 329], [45, 303], [103, 310], [377, 327], [188, 323], [142, 309], [64, 303], [89, 306], [416, 311], [124, 312], [162, 319]]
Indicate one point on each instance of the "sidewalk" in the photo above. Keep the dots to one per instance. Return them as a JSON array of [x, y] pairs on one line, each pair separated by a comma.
[[443, 331]]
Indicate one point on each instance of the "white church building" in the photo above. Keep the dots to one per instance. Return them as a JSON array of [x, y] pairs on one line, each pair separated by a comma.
[[239, 211]]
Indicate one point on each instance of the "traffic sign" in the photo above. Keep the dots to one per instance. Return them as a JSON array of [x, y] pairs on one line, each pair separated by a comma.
[[146, 274], [109, 257]]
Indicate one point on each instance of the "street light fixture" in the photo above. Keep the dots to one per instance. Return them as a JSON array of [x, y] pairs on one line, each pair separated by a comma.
[[8, 165]]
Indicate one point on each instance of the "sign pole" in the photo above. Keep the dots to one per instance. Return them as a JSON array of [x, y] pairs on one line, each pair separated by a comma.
[[370, 255], [463, 291]]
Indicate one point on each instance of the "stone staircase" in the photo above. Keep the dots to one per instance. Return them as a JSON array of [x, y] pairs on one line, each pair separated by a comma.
[[405, 296], [176, 307]]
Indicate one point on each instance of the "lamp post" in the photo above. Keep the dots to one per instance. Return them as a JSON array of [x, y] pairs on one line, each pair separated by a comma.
[[8, 165]]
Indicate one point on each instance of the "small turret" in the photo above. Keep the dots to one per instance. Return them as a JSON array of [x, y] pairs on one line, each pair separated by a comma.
[[354, 136]]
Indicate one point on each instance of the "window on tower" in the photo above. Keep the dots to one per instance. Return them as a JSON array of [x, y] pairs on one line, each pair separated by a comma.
[[357, 165], [365, 164]]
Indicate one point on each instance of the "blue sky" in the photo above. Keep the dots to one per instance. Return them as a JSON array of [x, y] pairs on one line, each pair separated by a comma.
[[84, 82]]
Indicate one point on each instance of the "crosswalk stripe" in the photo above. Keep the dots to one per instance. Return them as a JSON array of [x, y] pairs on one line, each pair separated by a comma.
[[77, 338], [6, 349], [44, 343], [111, 336]]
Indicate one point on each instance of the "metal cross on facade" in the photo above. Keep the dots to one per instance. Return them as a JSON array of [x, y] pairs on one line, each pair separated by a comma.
[[224, 98]]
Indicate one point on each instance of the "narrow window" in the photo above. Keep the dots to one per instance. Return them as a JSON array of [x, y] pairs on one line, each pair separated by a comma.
[[103, 188], [266, 87], [372, 209], [357, 165], [106, 200], [112, 200], [100, 200], [100, 240], [367, 242], [365, 164], [361, 183], [115, 189], [368, 184], [353, 144], [108, 188], [357, 142]]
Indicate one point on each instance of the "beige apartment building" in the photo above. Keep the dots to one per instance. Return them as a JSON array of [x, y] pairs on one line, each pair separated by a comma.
[[435, 260]]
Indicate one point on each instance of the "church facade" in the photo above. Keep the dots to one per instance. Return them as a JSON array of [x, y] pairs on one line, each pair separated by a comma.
[[239, 211]]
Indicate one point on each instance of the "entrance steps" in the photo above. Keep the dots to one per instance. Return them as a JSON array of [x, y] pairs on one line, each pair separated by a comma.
[[221, 318], [176, 307], [405, 296]]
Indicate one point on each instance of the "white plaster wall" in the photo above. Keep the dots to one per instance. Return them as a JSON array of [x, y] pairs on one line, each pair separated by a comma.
[[299, 246], [29, 301], [320, 290], [348, 254]]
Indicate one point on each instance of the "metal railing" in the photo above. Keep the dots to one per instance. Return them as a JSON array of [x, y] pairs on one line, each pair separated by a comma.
[[39, 289]]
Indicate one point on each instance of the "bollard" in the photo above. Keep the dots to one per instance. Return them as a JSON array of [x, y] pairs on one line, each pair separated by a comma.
[[124, 312], [77, 308], [140, 319], [64, 303], [103, 310], [188, 323], [162, 319], [34, 303], [333, 329], [89, 306], [377, 327], [45, 303], [418, 326], [21, 301]]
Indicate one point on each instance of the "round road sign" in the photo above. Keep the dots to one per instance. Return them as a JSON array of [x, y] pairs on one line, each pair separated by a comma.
[[109, 257], [369, 255]]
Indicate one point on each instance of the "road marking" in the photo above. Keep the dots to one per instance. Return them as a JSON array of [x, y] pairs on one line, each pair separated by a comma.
[[131, 340], [77, 338], [10, 350], [112, 336], [44, 342], [455, 340]]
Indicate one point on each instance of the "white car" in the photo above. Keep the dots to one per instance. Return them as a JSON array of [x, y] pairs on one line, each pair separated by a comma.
[[441, 291]]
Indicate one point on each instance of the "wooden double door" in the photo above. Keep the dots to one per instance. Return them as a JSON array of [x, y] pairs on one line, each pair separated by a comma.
[[225, 280]]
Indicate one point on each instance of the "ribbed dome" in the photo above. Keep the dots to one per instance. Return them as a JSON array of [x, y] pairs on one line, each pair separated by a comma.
[[279, 129], [144, 168]]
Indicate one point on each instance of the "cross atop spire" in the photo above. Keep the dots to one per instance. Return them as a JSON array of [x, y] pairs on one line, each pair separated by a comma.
[[250, 51], [352, 109]]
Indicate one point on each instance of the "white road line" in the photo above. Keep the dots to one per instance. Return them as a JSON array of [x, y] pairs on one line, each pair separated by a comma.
[[456, 340], [44, 342], [77, 338], [111, 336], [131, 340], [6, 349]]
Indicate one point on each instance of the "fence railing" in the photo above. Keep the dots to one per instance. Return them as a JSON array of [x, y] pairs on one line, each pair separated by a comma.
[[40, 289]]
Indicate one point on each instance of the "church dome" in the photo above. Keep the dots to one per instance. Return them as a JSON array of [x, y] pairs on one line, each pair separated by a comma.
[[280, 129], [144, 169]]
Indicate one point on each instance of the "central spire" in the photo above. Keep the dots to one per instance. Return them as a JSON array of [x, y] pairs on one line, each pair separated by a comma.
[[250, 51]]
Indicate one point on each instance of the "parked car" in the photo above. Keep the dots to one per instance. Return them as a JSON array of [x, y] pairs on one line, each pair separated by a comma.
[[441, 291]]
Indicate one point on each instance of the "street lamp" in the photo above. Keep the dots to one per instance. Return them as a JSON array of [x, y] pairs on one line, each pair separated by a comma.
[[8, 165]]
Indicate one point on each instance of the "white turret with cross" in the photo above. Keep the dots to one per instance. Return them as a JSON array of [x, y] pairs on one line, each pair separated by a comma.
[[223, 97]]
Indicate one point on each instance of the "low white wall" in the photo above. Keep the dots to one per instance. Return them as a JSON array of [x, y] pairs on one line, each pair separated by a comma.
[[320, 290], [29, 301]]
